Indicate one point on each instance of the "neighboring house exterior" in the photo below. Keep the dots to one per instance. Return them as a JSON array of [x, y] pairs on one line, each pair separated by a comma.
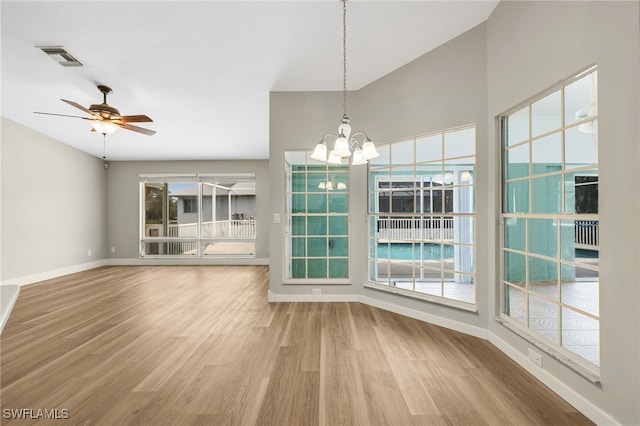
[[236, 203]]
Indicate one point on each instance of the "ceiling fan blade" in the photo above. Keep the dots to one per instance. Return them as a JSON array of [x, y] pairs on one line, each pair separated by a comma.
[[135, 128], [77, 105], [135, 119], [62, 115]]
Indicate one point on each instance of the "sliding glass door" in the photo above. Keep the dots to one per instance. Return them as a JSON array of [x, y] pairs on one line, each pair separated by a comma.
[[197, 215]]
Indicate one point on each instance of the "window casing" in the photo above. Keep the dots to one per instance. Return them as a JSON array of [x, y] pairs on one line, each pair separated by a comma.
[[550, 222], [422, 217]]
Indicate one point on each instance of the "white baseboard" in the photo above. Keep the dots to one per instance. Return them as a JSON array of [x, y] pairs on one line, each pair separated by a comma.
[[426, 317], [391, 307], [54, 273], [9, 294], [572, 397]]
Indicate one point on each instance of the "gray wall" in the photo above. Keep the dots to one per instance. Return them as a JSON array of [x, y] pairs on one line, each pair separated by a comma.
[[298, 121], [53, 206], [532, 46], [522, 50], [443, 89], [123, 200]]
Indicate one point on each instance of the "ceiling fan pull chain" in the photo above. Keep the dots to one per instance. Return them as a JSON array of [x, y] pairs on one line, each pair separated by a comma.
[[104, 146]]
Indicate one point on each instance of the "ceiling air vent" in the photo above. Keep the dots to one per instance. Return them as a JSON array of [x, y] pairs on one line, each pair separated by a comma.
[[60, 55]]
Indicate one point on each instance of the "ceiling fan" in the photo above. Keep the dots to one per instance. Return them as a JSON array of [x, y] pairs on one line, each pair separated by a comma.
[[106, 119]]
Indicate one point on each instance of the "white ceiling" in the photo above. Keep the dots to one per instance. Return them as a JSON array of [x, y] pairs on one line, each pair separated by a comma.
[[203, 70]]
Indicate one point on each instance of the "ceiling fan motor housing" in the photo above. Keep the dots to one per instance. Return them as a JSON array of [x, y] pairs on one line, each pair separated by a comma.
[[106, 111]]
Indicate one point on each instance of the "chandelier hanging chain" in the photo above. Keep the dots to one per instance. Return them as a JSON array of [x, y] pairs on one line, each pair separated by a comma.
[[344, 57], [346, 143]]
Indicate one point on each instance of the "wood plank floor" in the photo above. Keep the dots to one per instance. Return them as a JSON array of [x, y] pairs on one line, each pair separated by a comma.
[[202, 346]]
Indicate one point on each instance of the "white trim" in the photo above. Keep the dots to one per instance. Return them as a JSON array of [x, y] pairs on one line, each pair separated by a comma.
[[571, 360], [594, 413], [54, 273], [453, 303], [391, 307], [13, 297], [426, 317]]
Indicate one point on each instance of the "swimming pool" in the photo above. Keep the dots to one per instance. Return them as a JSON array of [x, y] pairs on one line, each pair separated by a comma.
[[403, 251]]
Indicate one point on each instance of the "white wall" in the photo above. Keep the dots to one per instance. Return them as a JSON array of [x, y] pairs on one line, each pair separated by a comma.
[[523, 49], [123, 200], [53, 207]]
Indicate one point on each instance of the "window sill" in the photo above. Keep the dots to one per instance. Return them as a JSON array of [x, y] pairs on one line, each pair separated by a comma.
[[465, 306], [584, 371]]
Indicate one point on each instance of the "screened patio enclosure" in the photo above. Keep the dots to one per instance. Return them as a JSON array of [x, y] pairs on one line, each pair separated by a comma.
[[203, 215]]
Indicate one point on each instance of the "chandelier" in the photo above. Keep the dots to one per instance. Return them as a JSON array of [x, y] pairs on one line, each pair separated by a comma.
[[358, 146]]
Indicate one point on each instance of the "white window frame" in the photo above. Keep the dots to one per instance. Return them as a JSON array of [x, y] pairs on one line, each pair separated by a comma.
[[287, 234], [581, 365], [442, 162], [198, 241]]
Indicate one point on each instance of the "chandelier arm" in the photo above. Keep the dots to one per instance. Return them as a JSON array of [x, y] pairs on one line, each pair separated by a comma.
[[354, 140], [327, 135], [360, 133]]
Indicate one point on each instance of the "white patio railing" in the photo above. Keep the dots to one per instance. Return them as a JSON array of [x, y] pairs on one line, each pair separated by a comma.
[[422, 229], [234, 229], [587, 233]]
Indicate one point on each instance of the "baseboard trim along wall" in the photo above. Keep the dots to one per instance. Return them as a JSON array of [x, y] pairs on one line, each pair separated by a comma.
[[54, 273], [8, 297], [391, 307], [572, 397]]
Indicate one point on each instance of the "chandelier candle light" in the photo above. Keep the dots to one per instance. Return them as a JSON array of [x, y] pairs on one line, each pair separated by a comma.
[[346, 144]]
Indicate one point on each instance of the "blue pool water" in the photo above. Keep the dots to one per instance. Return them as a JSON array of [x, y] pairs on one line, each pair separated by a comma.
[[404, 251], [591, 254]]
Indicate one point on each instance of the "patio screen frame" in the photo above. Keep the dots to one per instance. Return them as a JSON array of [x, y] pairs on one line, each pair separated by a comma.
[[195, 242]]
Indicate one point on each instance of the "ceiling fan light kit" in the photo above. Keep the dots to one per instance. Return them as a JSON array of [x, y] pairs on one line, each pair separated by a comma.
[[346, 144]]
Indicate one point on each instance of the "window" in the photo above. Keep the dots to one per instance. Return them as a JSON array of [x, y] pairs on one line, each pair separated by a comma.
[[198, 216], [190, 205], [550, 226], [317, 220], [422, 217]]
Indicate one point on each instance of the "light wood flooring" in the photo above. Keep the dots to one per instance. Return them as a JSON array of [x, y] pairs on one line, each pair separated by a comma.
[[201, 345]]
